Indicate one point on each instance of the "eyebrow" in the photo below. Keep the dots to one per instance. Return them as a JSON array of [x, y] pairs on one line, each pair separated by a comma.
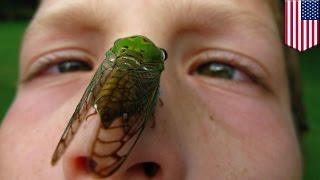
[[66, 17], [207, 18]]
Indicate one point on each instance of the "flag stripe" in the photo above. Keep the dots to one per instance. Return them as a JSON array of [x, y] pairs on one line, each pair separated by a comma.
[[302, 34], [298, 37], [306, 41], [313, 36], [291, 25], [316, 32], [294, 25], [286, 22], [308, 32]]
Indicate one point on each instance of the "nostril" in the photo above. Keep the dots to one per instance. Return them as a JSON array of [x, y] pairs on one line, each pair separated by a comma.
[[80, 163], [150, 169], [145, 170], [85, 164]]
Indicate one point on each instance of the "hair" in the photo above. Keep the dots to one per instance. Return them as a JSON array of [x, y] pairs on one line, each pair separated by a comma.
[[293, 73]]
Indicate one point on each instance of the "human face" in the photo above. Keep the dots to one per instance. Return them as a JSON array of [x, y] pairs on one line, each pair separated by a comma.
[[235, 124]]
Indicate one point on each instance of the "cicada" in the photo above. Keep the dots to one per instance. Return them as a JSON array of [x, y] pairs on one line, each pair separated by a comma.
[[123, 94]]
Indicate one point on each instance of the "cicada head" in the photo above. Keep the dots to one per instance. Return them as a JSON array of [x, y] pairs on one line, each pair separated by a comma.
[[140, 46]]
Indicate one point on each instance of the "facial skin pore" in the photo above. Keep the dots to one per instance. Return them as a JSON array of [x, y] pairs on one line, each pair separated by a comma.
[[238, 127]]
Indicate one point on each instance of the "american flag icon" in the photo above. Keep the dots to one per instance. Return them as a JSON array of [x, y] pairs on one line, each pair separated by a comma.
[[302, 23]]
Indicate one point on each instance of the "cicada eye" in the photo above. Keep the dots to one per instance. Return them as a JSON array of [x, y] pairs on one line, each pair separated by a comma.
[[164, 54]]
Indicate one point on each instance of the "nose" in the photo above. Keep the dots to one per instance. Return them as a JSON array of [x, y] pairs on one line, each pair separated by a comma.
[[154, 156]]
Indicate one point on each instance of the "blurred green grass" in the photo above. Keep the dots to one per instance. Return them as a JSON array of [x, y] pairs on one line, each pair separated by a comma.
[[11, 34], [310, 67], [10, 37]]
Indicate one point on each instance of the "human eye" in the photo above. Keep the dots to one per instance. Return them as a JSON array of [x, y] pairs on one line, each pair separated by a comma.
[[60, 62], [221, 70], [213, 65]]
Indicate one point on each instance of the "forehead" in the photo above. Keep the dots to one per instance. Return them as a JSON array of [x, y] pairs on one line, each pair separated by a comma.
[[256, 7], [202, 14], [104, 13]]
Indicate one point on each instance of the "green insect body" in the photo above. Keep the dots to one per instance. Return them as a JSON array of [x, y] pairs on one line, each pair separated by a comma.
[[123, 94]]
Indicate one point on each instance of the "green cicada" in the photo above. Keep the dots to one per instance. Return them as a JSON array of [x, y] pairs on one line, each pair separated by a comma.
[[123, 94]]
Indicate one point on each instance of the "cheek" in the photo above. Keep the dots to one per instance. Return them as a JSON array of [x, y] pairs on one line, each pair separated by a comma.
[[251, 136], [39, 100], [26, 135], [259, 114], [33, 125]]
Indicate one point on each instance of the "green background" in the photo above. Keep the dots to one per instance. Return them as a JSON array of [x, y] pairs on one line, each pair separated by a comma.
[[10, 38]]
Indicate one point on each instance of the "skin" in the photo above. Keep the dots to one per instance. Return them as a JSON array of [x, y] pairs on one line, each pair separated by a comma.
[[207, 128]]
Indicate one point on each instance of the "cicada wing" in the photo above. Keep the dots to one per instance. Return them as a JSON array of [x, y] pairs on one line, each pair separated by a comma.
[[81, 111], [113, 144]]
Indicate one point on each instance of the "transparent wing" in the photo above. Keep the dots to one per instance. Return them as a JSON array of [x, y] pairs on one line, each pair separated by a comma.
[[113, 143], [81, 111]]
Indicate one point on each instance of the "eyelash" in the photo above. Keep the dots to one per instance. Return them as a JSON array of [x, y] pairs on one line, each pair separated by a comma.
[[238, 62], [51, 59]]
